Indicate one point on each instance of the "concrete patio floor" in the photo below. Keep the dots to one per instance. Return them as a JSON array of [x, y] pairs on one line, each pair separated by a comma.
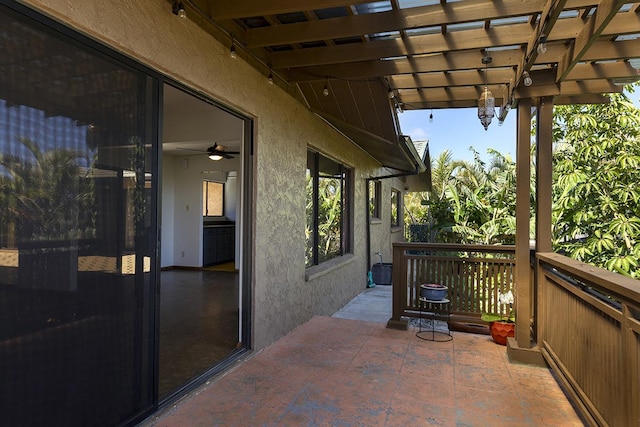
[[335, 371]]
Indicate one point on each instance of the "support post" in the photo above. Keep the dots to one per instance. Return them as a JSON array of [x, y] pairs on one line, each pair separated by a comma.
[[520, 348], [544, 164], [523, 214]]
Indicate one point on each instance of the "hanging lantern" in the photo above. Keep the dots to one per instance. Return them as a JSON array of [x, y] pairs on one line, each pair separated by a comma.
[[486, 107], [486, 102]]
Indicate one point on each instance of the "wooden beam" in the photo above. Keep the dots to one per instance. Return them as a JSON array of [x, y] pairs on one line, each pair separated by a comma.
[[592, 29], [451, 61], [608, 50], [581, 99], [448, 94], [523, 215], [451, 79], [609, 70], [548, 20], [432, 43], [462, 60], [507, 35], [393, 20], [544, 169], [221, 10], [569, 88], [437, 105]]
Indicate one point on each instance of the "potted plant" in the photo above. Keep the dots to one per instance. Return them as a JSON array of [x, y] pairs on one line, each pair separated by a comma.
[[502, 325]]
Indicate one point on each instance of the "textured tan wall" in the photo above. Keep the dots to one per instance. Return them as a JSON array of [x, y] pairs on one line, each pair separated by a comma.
[[147, 31]]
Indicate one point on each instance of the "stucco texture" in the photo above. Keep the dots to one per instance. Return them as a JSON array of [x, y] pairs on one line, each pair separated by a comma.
[[147, 31]]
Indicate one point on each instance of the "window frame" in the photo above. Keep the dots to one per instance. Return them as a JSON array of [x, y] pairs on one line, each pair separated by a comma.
[[375, 199], [205, 199], [346, 209], [396, 222]]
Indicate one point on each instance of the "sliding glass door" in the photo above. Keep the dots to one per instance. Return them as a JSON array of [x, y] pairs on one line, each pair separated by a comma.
[[77, 230]]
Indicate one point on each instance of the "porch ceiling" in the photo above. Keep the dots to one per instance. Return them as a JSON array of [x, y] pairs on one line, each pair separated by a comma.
[[428, 53]]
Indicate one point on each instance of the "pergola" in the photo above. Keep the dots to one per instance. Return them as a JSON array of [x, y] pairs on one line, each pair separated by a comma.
[[357, 63]]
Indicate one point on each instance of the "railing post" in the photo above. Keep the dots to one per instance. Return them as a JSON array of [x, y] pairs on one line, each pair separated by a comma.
[[399, 288], [630, 358]]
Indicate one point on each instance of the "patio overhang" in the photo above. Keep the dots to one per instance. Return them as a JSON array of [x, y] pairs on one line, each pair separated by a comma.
[[357, 63], [399, 154]]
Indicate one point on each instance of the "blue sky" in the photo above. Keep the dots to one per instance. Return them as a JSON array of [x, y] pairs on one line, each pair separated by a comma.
[[459, 129]]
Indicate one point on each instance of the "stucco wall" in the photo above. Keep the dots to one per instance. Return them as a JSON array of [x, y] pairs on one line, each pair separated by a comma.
[[282, 299]]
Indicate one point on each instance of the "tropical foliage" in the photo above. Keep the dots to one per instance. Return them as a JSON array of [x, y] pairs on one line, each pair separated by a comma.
[[43, 194], [596, 176], [329, 218], [471, 202], [596, 198]]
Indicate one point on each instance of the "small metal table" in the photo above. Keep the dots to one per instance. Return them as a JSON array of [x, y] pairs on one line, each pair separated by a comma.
[[433, 334]]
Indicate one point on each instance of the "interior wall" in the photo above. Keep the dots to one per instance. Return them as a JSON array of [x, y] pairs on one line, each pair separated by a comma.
[[283, 298], [184, 189], [231, 198], [168, 202]]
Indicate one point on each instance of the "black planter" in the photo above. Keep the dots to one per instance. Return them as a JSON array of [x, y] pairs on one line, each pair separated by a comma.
[[433, 291]]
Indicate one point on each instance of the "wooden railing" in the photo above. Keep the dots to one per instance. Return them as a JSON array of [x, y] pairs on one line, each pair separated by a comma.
[[589, 332], [474, 274]]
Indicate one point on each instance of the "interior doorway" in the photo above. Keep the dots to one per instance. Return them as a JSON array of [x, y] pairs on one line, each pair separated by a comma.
[[201, 292]]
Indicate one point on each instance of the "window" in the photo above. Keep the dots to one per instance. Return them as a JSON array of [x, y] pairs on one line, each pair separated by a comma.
[[375, 192], [212, 198], [328, 231], [395, 208]]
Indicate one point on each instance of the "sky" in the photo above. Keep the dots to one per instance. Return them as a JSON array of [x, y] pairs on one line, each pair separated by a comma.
[[459, 129]]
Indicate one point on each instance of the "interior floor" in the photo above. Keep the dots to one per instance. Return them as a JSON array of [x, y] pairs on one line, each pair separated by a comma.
[[199, 318]]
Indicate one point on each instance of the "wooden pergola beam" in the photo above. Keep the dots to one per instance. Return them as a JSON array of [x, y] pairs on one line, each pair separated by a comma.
[[393, 20], [460, 60], [508, 35], [451, 79], [221, 10], [595, 25]]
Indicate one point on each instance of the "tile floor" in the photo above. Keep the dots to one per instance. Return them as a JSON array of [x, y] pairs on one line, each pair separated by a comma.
[[341, 372]]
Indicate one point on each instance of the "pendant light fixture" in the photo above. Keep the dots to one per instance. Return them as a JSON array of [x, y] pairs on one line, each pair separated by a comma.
[[486, 102], [178, 9]]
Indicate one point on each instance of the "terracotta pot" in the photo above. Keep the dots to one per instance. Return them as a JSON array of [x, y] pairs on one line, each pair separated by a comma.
[[501, 330]]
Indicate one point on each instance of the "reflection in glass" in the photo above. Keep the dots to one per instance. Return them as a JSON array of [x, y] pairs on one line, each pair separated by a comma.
[[75, 243]]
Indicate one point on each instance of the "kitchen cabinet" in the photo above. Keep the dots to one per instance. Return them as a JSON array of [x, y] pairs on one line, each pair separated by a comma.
[[218, 244]]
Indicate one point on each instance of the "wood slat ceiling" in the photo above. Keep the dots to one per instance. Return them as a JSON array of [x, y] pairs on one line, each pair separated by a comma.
[[428, 53]]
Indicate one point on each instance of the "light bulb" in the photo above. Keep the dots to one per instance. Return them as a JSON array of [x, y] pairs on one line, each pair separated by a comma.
[[542, 48], [270, 78], [325, 91], [527, 79], [232, 52], [542, 45], [181, 12], [391, 94]]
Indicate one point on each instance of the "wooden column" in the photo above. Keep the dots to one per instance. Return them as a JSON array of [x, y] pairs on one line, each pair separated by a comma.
[[523, 214], [544, 168]]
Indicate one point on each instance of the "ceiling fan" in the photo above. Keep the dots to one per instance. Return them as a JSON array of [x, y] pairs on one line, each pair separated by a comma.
[[215, 152], [218, 152]]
